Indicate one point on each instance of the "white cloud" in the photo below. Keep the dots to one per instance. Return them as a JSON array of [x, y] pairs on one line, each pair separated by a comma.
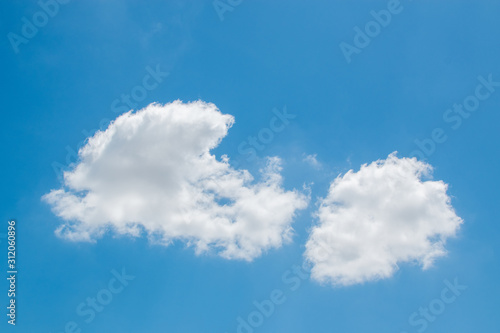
[[152, 171], [312, 161], [374, 219]]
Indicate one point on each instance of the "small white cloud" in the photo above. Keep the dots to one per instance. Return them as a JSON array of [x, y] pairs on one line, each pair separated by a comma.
[[152, 170], [376, 218], [312, 161]]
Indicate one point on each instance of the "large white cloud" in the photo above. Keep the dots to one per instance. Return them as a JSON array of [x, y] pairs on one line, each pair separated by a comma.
[[152, 171], [374, 219]]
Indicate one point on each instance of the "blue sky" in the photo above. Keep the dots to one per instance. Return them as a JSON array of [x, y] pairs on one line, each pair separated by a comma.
[[262, 56]]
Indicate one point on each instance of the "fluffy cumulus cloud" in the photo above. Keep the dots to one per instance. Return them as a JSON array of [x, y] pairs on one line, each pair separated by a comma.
[[387, 213], [152, 171]]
